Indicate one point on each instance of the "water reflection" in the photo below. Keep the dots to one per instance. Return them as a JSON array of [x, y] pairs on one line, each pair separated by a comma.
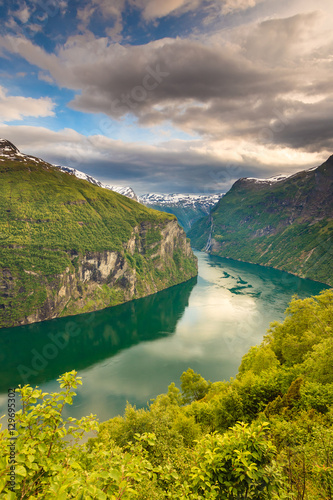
[[134, 351], [40, 352]]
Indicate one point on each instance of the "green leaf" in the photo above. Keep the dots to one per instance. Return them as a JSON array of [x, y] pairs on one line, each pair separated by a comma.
[[42, 447], [20, 470], [115, 474]]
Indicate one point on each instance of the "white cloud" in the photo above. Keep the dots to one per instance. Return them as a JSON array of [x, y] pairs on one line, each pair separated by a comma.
[[109, 10], [45, 77], [23, 14], [17, 107]]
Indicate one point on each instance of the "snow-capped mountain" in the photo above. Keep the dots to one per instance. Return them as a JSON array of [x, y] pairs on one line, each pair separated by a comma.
[[188, 208], [10, 152], [186, 200], [270, 180], [125, 191]]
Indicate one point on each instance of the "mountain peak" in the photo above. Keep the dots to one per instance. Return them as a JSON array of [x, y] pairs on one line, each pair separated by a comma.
[[7, 147]]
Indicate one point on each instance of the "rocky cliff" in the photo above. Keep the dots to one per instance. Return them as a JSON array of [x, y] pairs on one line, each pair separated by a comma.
[[67, 246], [282, 222]]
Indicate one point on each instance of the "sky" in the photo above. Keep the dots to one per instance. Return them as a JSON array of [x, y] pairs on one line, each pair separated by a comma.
[[169, 96]]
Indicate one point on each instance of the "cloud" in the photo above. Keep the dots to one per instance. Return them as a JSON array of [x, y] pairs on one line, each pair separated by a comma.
[[280, 41], [257, 96], [23, 13], [17, 107], [238, 5], [45, 77], [201, 86], [172, 166], [108, 10], [154, 10]]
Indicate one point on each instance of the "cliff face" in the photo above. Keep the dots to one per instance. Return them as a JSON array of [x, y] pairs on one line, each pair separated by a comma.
[[68, 247], [99, 279], [286, 223]]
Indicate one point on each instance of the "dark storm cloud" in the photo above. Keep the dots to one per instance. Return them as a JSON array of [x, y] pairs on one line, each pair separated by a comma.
[[202, 86], [310, 130], [145, 78]]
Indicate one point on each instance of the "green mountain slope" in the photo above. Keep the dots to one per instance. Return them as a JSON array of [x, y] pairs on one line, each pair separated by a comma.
[[286, 224], [67, 246]]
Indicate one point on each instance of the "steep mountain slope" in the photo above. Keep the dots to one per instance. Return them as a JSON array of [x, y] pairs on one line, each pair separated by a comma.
[[187, 208], [68, 246], [283, 222], [126, 191]]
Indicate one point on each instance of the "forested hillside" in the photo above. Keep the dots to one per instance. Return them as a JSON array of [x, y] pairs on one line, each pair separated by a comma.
[[267, 434]]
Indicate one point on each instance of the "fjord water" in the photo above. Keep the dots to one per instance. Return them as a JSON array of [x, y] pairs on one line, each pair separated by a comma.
[[132, 352]]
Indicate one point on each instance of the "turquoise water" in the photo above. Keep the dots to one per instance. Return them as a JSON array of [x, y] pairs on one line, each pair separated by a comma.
[[132, 352]]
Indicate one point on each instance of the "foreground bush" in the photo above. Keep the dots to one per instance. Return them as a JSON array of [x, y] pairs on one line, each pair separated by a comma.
[[266, 435]]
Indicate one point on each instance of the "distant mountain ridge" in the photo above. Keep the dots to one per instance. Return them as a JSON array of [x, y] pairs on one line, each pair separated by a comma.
[[188, 208], [284, 222]]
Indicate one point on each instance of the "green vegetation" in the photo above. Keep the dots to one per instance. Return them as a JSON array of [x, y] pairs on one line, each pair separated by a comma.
[[267, 434], [44, 207], [50, 220], [287, 225], [186, 216]]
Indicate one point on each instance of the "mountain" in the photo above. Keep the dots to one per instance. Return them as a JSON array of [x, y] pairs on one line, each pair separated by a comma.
[[11, 152], [283, 222], [68, 246], [188, 208], [125, 191]]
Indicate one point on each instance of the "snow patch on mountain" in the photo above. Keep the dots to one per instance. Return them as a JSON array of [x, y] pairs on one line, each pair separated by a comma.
[[179, 199], [188, 208], [270, 180], [277, 178]]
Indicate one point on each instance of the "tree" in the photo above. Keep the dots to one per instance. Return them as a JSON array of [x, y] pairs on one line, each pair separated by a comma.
[[193, 385]]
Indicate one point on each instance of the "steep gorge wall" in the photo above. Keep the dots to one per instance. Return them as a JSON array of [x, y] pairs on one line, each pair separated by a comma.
[[156, 256]]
